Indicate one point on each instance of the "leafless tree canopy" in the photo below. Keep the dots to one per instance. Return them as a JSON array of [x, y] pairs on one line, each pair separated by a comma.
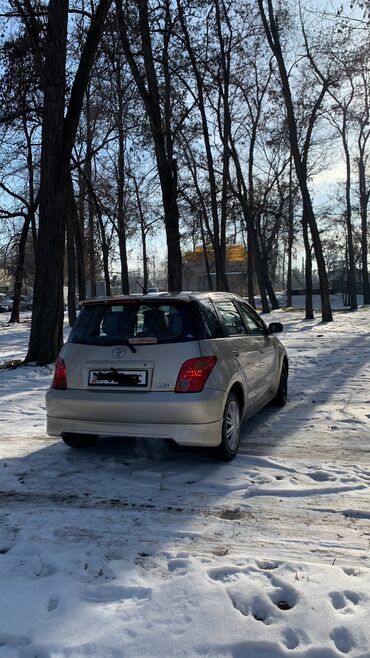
[[182, 141]]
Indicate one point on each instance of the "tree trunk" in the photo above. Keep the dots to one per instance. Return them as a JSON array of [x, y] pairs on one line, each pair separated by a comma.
[[71, 256], [268, 285], [90, 199], [308, 270], [250, 272], [80, 238], [251, 229], [58, 137], [218, 243], [364, 201], [121, 220], [143, 234], [104, 248], [48, 308], [290, 240], [205, 253], [274, 42], [148, 88], [19, 272], [351, 255]]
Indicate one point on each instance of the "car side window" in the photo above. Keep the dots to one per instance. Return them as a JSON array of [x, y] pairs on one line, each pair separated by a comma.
[[232, 320], [254, 324], [209, 319]]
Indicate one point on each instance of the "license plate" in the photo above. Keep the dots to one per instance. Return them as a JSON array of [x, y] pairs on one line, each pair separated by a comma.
[[128, 378]]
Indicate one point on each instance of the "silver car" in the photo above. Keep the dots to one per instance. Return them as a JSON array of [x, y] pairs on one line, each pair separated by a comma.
[[185, 366]]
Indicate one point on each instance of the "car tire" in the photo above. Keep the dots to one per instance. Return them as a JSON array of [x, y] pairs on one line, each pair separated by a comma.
[[79, 441], [230, 429], [281, 396]]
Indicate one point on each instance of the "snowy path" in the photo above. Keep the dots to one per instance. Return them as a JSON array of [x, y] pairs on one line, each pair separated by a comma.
[[139, 550]]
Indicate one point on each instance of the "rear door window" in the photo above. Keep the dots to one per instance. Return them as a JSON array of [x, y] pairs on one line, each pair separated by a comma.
[[209, 321], [233, 323], [112, 324], [252, 321]]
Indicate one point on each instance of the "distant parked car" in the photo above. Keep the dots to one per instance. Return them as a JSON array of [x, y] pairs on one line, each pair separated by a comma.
[[186, 367], [151, 291], [5, 302]]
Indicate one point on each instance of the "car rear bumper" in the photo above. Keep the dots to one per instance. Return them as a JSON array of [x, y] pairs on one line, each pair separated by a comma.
[[189, 419], [208, 434]]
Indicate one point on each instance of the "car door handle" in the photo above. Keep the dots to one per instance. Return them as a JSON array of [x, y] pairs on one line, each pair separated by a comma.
[[236, 352]]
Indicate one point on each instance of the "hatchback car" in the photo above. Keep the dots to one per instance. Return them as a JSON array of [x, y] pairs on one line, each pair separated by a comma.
[[185, 366]]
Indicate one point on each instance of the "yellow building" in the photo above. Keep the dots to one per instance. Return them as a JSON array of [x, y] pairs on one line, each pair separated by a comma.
[[194, 268]]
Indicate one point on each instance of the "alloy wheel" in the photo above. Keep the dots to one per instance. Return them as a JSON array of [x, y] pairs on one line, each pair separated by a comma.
[[232, 425]]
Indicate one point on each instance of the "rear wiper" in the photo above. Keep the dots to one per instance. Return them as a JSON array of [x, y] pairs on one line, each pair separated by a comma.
[[123, 341]]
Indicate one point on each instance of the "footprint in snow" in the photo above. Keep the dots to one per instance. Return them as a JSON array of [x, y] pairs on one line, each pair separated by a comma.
[[341, 600], [342, 639], [116, 594], [351, 571], [179, 565], [225, 574], [254, 592], [291, 637], [267, 565], [257, 605], [52, 604], [321, 476], [283, 596]]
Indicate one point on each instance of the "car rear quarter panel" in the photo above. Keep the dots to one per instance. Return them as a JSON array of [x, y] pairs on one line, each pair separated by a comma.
[[226, 372]]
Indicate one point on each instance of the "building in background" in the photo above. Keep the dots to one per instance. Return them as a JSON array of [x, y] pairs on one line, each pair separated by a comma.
[[195, 273]]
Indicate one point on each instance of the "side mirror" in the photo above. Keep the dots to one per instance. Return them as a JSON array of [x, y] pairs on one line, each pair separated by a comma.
[[275, 328]]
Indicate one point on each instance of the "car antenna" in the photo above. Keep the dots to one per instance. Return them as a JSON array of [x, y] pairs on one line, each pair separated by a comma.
[[145, 292]]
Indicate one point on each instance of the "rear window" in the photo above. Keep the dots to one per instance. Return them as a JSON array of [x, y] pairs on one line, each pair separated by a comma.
[[112, 324]]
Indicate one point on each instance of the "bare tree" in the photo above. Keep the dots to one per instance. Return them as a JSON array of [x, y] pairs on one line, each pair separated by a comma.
[[161, 117], [273, 38]]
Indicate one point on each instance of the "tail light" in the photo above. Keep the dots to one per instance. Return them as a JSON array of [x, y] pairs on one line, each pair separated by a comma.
[[60, 375], [194, 374]]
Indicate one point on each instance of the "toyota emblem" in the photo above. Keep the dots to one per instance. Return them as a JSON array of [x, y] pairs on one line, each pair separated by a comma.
[[119, 352]]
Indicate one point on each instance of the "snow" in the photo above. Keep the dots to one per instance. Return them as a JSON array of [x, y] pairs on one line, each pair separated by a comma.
[[143, 549]]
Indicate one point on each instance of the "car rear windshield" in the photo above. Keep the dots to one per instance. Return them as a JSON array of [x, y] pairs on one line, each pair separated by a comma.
[[137, 322]]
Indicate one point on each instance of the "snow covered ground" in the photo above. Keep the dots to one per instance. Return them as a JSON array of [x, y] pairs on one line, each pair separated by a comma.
[[142, 549]]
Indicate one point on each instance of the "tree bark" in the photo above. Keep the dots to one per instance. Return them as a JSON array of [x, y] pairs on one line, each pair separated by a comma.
[[250, 271], [308, 270], [80, 238], [364, 202], [143, 234], [290, 240], [71, 255], [205, 253], [48, 307]]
